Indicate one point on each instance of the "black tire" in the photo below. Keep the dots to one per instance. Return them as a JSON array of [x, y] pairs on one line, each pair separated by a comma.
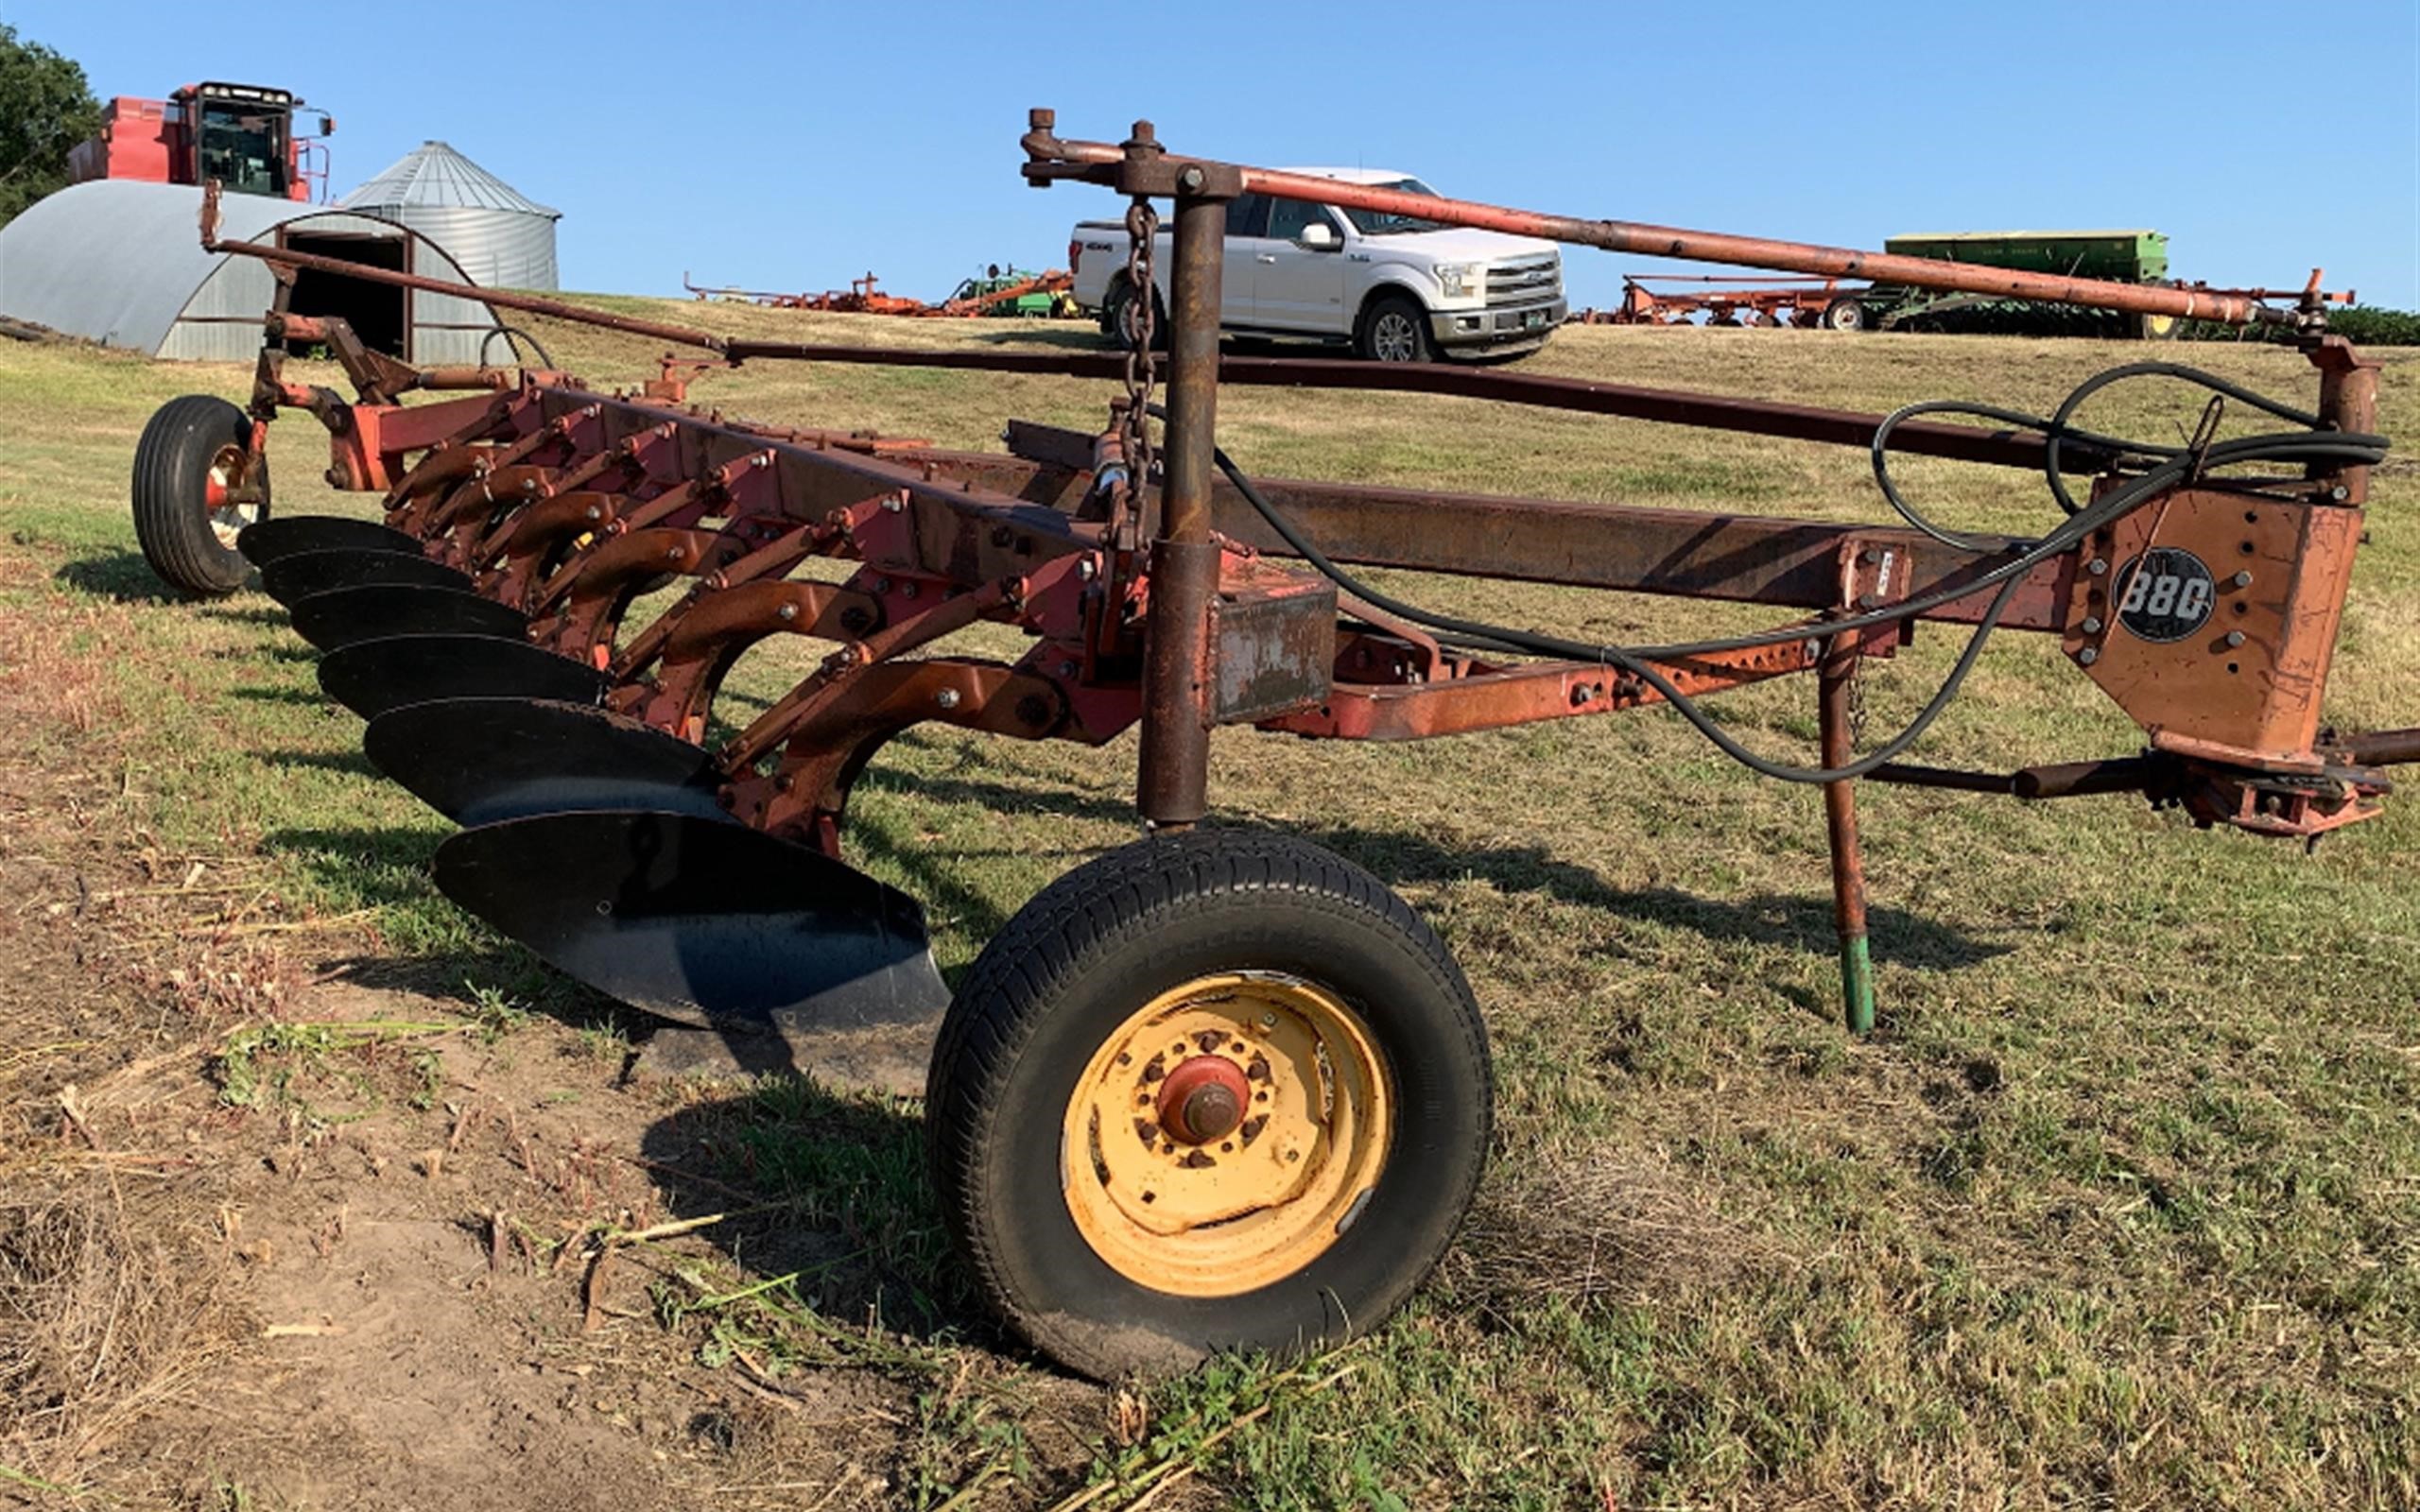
[[1843, 314], [1112, 318], [1395, 329], [1072, 973], [187, 542]]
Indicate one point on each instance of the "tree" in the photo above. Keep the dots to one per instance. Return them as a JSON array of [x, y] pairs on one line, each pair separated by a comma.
[[45, 109]]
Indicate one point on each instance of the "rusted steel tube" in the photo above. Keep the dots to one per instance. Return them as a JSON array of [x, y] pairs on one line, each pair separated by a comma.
[[1668, 407], [1836, 677], [1172, 786], [2384, 747], [1047, 152]]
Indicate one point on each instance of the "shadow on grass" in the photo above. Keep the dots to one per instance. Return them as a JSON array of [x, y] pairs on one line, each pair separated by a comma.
[[1798, 921], [849, 1208], [351, 761], [299, 698], [120, 575]]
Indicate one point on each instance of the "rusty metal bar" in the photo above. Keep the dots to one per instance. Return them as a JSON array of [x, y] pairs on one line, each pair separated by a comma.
[[1172, 787], [2384, 747], [1753, 417], [1052, 158]]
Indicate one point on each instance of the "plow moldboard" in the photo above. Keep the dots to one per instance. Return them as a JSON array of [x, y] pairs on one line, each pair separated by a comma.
[[299, 575], [478, 761], [378, 610], [266, 541], [715, 925], [372, 676]]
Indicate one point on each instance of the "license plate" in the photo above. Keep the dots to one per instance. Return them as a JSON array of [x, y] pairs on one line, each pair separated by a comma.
[[1531, 319]]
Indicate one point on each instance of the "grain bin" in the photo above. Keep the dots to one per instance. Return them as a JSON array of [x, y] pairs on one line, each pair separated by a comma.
[[501, 238]]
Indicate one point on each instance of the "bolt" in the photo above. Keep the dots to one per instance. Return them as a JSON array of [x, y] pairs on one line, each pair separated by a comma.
[[894, 502], [2235, 638], [2339, 493], [2240, 580], [2091, 625], [882, 585], [908, 590], [1066, 669], [947, 697], [595, 513], [787, 612], [761, 459], [1085, 571], [1269, 1020], [1189, 179], [671, 554], [2087, 656], [2097, 567]]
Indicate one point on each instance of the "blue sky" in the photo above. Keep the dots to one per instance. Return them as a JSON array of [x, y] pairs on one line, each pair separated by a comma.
[[792, 146]]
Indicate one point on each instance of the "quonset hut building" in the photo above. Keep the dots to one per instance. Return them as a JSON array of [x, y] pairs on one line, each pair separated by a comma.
[[120, 261]]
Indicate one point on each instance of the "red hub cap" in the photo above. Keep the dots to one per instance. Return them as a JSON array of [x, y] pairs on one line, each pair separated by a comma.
[[1202, 1100]]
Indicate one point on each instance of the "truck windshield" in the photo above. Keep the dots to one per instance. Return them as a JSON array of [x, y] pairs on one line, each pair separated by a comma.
[[1374, 223], [243, 146]]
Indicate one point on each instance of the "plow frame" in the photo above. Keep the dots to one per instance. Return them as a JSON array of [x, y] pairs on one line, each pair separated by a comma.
[[1167, 610]]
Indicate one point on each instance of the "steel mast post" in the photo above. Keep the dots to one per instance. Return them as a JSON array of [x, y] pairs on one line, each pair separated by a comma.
[[1173, 783]]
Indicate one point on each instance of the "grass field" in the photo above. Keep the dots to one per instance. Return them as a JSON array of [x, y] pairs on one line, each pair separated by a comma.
[[2120, 1208]]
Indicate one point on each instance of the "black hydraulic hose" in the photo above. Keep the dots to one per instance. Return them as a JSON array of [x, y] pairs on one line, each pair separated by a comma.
[[2180, 465]]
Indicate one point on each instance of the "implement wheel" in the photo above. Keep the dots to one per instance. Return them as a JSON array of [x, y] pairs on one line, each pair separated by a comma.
[[1218, 1090], [193, 454]]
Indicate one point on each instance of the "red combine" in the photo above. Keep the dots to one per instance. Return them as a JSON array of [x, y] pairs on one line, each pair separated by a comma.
[[240, 135]]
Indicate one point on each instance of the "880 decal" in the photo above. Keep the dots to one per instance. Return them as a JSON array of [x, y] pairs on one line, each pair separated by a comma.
[[2165, 594]]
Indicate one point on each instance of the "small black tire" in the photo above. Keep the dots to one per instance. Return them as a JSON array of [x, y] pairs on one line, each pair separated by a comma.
[[1843, 314], [1034, 1031], [1395, 329], [192, 445], [1114, 319]]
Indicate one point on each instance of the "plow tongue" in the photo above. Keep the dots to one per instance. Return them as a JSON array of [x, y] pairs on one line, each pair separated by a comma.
[[266, 541], [371, 677], [373, 611], [299, 575], [478, 761], [715, 925]]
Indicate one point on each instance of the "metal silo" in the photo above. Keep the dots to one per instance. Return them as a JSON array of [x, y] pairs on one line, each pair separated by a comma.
[[501, 239]]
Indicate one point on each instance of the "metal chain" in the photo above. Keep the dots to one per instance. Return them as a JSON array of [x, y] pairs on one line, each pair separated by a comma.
[[1142, 363]]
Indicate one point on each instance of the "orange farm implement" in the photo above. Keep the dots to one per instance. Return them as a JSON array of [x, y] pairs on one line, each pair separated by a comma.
[[1219, 1087]]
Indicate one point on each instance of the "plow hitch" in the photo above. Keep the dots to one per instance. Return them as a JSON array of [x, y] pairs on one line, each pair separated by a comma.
[[1219, 1087]]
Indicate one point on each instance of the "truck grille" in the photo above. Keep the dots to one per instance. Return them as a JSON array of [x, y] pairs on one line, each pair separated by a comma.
[[1524, 279]]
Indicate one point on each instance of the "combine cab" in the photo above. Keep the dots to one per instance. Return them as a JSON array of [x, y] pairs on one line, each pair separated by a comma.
[[240, 136]]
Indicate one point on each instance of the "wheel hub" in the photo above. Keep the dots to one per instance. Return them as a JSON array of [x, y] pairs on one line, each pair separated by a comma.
[[1204, 1100]]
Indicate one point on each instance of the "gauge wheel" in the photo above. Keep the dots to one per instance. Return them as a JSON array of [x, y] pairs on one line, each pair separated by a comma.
[[1395, 329], [2158, 327], [194, 454], [1212, 1091], [1843, 314]]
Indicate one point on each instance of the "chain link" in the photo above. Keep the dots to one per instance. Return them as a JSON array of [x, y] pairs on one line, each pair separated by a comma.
[[1142, 362]]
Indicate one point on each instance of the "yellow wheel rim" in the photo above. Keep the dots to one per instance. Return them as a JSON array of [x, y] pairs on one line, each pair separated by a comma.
[[1226, 1135]]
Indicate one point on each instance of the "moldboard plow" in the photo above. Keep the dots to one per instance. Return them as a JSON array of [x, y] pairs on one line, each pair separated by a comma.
[[1218, 1088]]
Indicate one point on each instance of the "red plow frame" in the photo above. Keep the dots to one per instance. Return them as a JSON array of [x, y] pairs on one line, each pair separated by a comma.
[[1213, 1090]]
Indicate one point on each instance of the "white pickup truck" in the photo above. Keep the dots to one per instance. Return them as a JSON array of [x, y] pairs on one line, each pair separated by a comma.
[[1396, 288]]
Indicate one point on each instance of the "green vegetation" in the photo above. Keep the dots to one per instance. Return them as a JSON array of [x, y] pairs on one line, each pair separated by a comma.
[[45, 110], [2117, 1208]]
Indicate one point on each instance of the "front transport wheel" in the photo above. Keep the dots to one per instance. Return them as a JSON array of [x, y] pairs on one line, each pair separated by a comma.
[[1215, 1091], [195, 454]]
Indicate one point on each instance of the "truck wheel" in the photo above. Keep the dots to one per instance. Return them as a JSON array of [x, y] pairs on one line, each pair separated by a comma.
[[1395, 329], [1113, 318], [192, 453], [1843, 314], [1215, 1091]]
